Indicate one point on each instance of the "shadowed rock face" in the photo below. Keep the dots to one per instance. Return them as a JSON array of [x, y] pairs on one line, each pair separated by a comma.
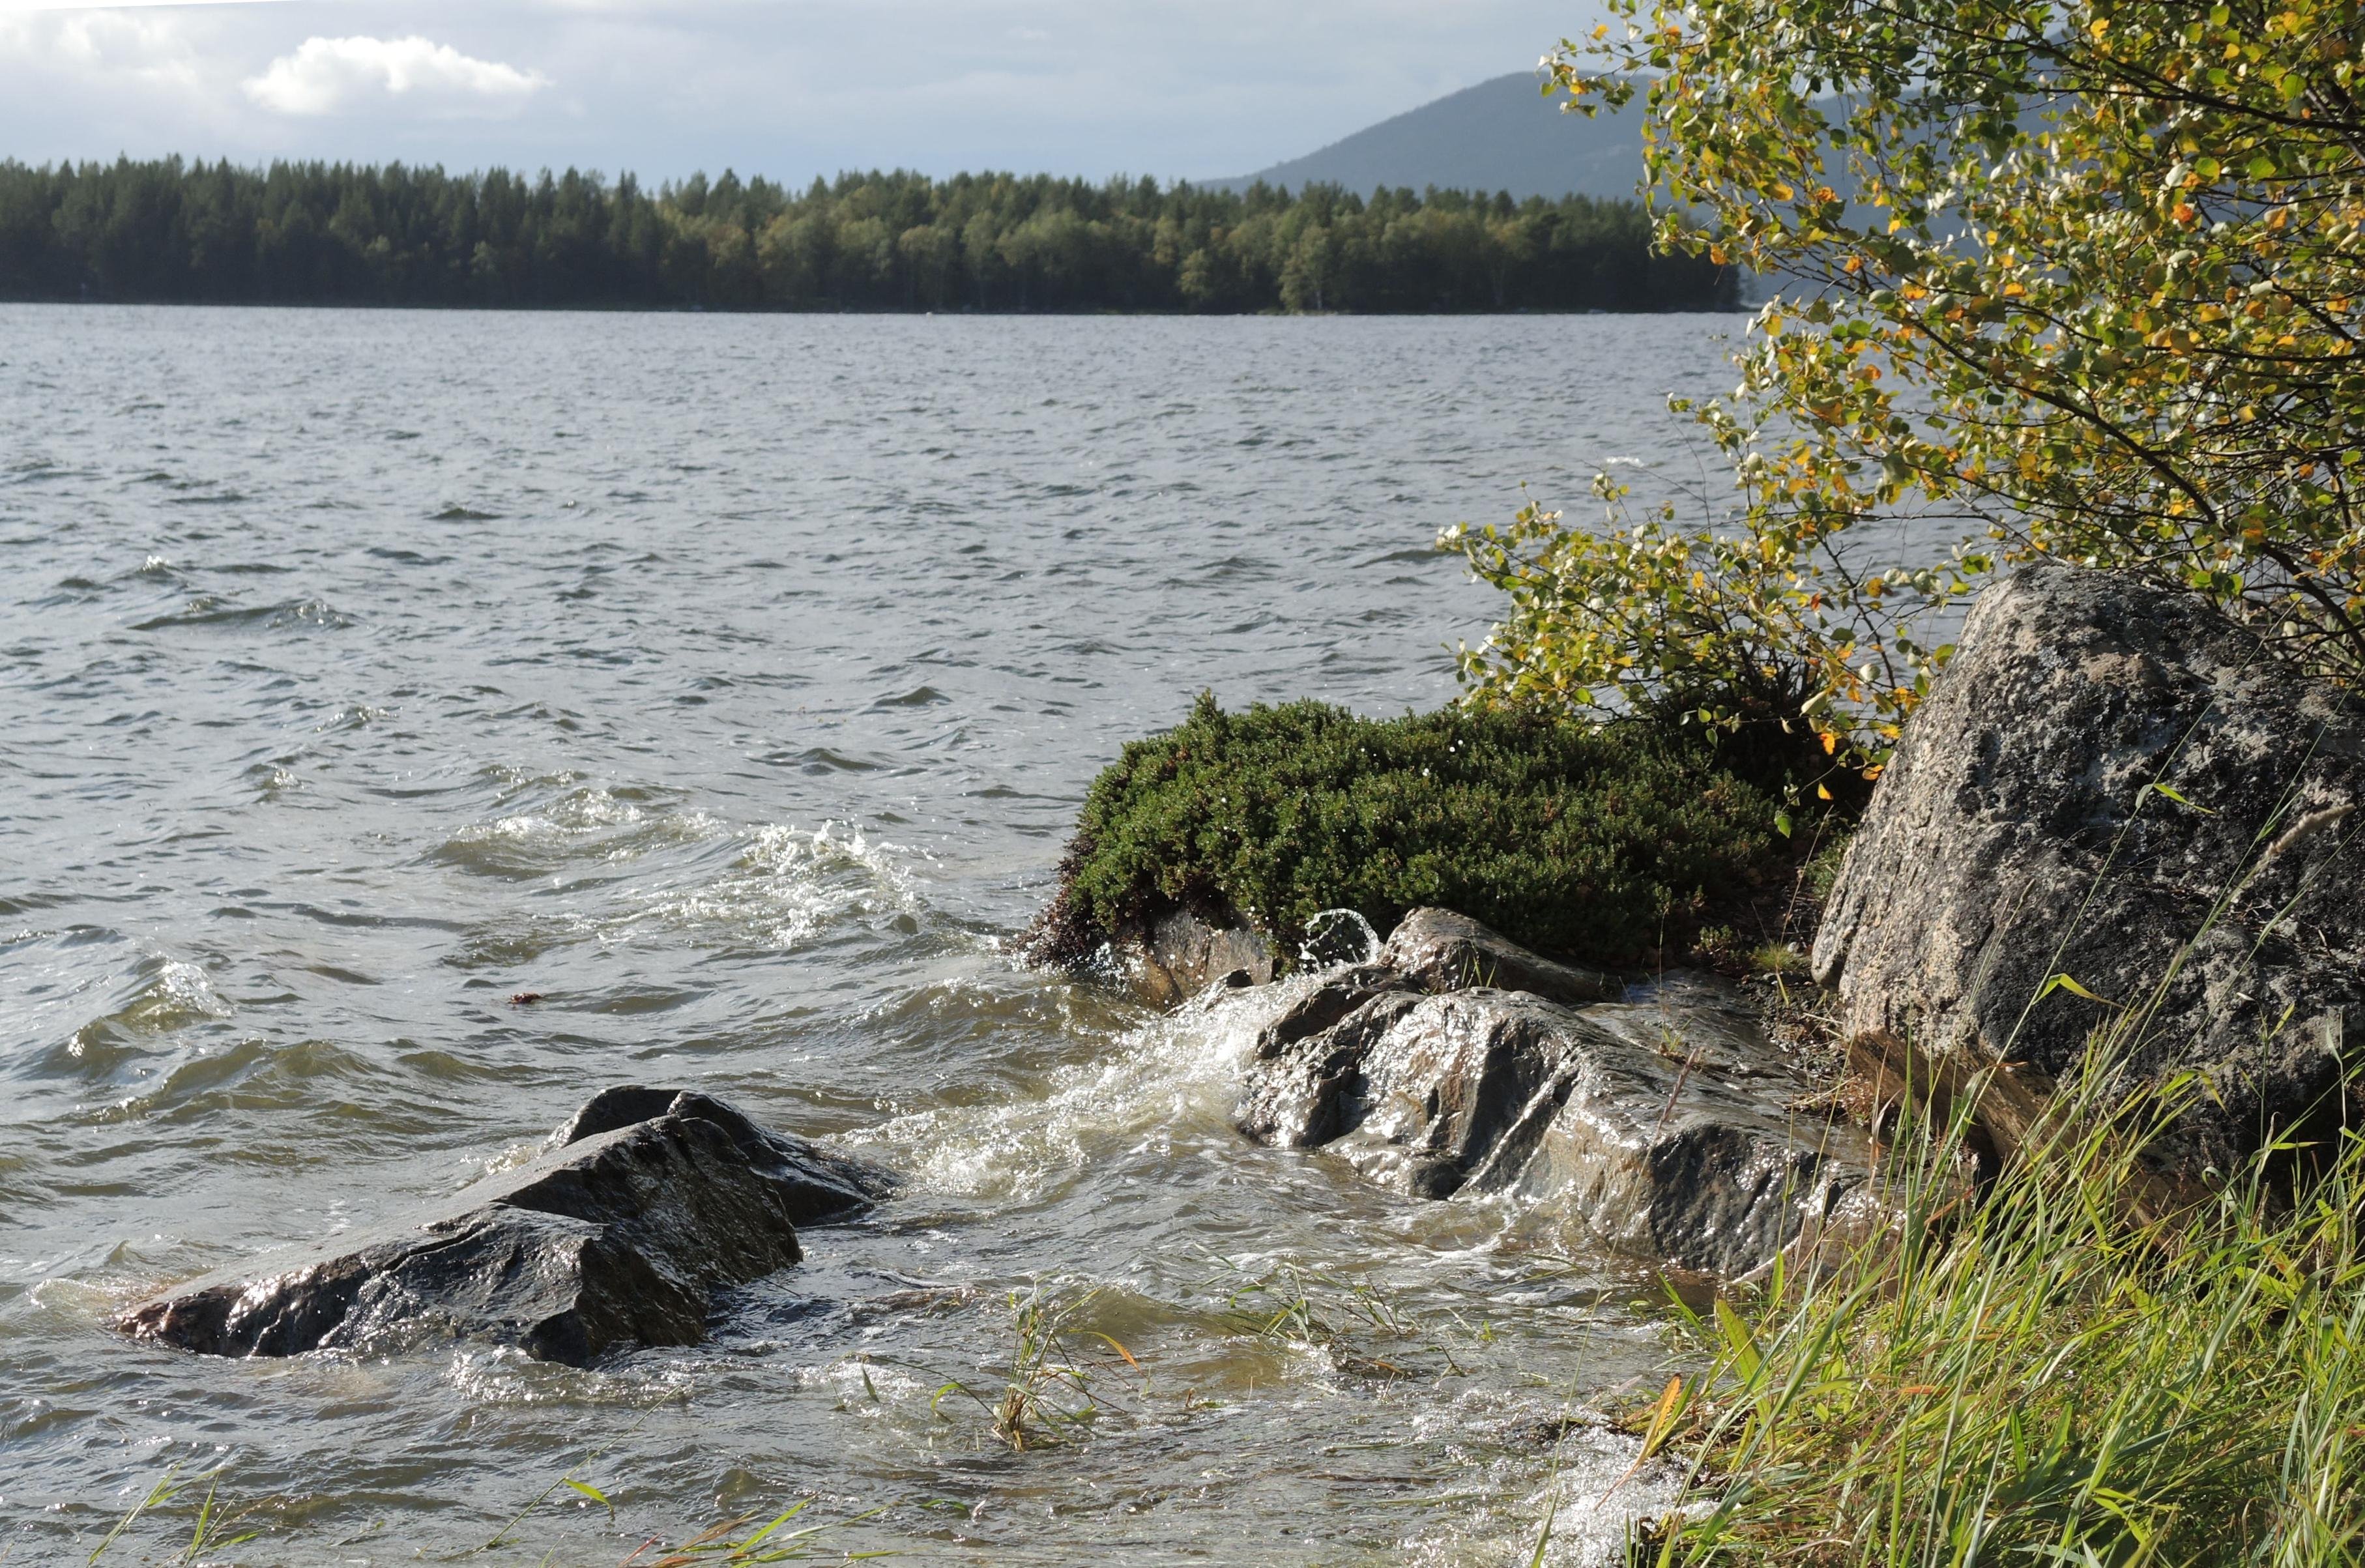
[[1180, 953], [2015, 835], [1660, 1124], [638, 1209]]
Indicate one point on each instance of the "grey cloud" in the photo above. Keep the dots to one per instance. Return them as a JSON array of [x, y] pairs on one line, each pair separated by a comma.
[[791, 88]]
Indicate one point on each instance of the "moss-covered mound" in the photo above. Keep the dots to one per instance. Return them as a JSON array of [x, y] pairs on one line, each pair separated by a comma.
[[1607, 847]]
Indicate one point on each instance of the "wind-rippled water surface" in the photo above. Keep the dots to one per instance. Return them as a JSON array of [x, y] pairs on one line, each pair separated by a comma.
[[732, 682]]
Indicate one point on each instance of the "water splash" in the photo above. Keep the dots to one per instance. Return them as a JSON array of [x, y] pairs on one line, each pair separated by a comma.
[[1166, 1070], [787, 888], [1338, 937]]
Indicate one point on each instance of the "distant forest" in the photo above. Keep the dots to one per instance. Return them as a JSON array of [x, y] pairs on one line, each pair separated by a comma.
[[339, 234]]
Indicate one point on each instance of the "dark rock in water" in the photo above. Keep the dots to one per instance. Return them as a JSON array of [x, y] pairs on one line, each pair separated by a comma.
[[1661, 1124], [2017, 834], [638, 1209], [1180, 953], [1444, 951], [816, 1184]]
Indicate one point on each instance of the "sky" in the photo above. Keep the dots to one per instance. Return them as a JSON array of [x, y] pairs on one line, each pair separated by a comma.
[[788, 88]]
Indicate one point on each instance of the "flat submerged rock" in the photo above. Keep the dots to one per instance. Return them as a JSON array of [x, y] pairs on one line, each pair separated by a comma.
[[639, 1208]]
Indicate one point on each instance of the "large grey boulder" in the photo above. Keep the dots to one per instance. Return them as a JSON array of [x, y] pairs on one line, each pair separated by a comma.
[[638, 1209], [2017, 834], [1661, 1124]]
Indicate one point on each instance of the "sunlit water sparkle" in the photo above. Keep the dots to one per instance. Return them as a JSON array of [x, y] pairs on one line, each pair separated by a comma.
[[732, 683]]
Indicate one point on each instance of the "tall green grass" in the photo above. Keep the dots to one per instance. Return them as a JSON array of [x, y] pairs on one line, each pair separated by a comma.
[[2037, 1375]]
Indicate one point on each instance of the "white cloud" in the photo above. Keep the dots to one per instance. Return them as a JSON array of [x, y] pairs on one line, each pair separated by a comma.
[[327, 75], [122, 45], [10, 7]]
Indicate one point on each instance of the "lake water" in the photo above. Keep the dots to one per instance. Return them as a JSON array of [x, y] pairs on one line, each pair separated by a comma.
[[733, 682]]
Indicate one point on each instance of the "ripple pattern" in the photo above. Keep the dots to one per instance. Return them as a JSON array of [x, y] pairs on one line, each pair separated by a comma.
[[731, 684]]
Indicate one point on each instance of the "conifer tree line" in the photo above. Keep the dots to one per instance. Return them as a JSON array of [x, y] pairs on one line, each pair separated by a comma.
[[312, 233]]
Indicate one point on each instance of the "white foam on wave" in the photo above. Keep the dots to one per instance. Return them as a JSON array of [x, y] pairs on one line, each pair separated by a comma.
[[589, 823], [1596, 1490], [787, 886], [184, 988], [582, 811], [1163, 1072]]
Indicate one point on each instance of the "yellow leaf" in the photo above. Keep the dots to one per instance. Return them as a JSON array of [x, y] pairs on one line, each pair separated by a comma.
[[1662, 1418]]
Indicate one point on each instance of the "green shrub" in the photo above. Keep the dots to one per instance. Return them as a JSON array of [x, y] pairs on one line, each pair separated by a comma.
[[1606, 846]]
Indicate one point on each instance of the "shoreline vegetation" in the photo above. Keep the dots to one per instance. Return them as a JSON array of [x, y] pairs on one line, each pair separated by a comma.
[[2078, 290], [1620, 848], [167, 232]]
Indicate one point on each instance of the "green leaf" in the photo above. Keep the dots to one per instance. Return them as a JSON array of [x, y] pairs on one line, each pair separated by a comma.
[[2063, 982], [2179, 800], [757, 1538], [593, 1493], [1738, 1340]]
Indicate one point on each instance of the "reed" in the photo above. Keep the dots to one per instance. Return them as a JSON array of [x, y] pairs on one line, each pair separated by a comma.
[[1350, 1321], [208, 1534], [1054, 1384]]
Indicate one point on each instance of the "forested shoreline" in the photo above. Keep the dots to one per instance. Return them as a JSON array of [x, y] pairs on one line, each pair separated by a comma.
[[311, 233]]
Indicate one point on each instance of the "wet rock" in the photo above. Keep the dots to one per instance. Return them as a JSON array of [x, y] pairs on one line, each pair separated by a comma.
[[1337, 996], [1307, 1080], [2017, 834], [816, 1183], [640, 1207], [1180, 953], [1440, 950], [1660, 1124]]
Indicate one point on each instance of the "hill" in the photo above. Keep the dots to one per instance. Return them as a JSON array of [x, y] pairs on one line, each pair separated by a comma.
[[1501, 135]]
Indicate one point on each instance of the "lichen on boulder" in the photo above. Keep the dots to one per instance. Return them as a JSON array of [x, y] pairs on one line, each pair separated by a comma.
[[2119, 818]]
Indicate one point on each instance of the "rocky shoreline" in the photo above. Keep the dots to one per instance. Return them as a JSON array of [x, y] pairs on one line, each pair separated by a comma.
[[1659, 1118], [2117, 842], [2118, 846]]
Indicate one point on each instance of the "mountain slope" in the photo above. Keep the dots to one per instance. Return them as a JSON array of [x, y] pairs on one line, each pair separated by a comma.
[[1499, 135]]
